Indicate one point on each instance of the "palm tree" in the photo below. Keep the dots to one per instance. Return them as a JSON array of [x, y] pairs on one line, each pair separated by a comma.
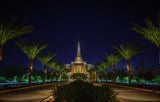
[[113, 59], [44, 59], [51, 65], [91, 73], [106, 63], [128, 51], [151, 32], [10, 30], [62, 68], [95, 70], [99, 65], [65, 71], [31, 50], [58, 66]]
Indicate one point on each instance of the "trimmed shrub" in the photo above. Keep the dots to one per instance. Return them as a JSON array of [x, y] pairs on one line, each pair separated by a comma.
[[80, 91]]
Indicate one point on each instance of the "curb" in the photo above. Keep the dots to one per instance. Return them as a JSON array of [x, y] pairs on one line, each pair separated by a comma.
[[136, 88], [120, 100], [48, 99], [24, 88]]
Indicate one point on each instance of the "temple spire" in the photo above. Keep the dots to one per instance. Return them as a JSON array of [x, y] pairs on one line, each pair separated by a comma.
[[78, 50], [78, 57]]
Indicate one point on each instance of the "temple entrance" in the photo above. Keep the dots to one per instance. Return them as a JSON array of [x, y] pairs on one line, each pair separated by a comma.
[[81, 76]]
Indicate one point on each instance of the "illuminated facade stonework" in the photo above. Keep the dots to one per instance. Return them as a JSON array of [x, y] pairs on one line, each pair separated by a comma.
[[78, 65]]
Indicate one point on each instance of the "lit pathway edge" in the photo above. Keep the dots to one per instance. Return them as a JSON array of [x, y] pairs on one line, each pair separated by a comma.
[[148, 90], [131, 94], [27, 87]]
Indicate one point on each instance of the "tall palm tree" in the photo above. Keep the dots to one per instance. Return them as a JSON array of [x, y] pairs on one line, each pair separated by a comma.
[[31, 50], [12, 29], [128, 51], [99, 65], [151, 32], [57, 67], [91, 74], [62, 68], [95, 70], [64, 74], [51, 65], [113, 59], [44, 59], [106, 63]]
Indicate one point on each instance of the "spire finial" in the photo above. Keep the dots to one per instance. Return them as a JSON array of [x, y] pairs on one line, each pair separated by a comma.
[[78, 57], [78, 49]]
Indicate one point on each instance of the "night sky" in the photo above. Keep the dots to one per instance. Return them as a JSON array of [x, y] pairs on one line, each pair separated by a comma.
[[98, 25]]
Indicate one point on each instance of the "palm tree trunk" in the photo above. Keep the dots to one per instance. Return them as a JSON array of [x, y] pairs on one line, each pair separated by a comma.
[[0, 52], [159, 54], [61, 76], [106, 74], [51, 74], [30, 70], [114, 73], [101, 76], [44, 74], [129, 72], [56, 75], [96, 76], [91, 76]]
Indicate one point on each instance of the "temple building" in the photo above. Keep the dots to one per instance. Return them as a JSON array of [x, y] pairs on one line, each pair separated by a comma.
[[78, 65]]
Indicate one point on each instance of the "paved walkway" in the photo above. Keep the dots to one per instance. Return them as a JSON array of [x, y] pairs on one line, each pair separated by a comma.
[[136, 95], [34, 94], [130, 94]]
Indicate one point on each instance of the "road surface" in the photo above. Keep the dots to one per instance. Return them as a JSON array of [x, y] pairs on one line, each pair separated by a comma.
[[36, 94], [136, 95], [130, 94]]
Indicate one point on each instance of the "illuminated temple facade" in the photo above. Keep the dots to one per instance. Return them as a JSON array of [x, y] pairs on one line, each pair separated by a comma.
[[78, 65]]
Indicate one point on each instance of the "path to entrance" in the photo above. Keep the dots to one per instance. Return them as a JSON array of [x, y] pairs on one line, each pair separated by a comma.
[[129, 94], [136, 95], [36, 94], [33, 94]]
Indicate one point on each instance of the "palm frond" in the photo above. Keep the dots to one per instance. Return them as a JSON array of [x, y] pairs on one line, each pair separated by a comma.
[[151, 32], [51, 64], [128, 50], [11, 29], [58, 65], [45, 58], [30, 49], [99, 65], [114, 59]]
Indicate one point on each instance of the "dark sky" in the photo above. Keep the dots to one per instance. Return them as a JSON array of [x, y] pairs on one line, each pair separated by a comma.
[[98, 25]]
